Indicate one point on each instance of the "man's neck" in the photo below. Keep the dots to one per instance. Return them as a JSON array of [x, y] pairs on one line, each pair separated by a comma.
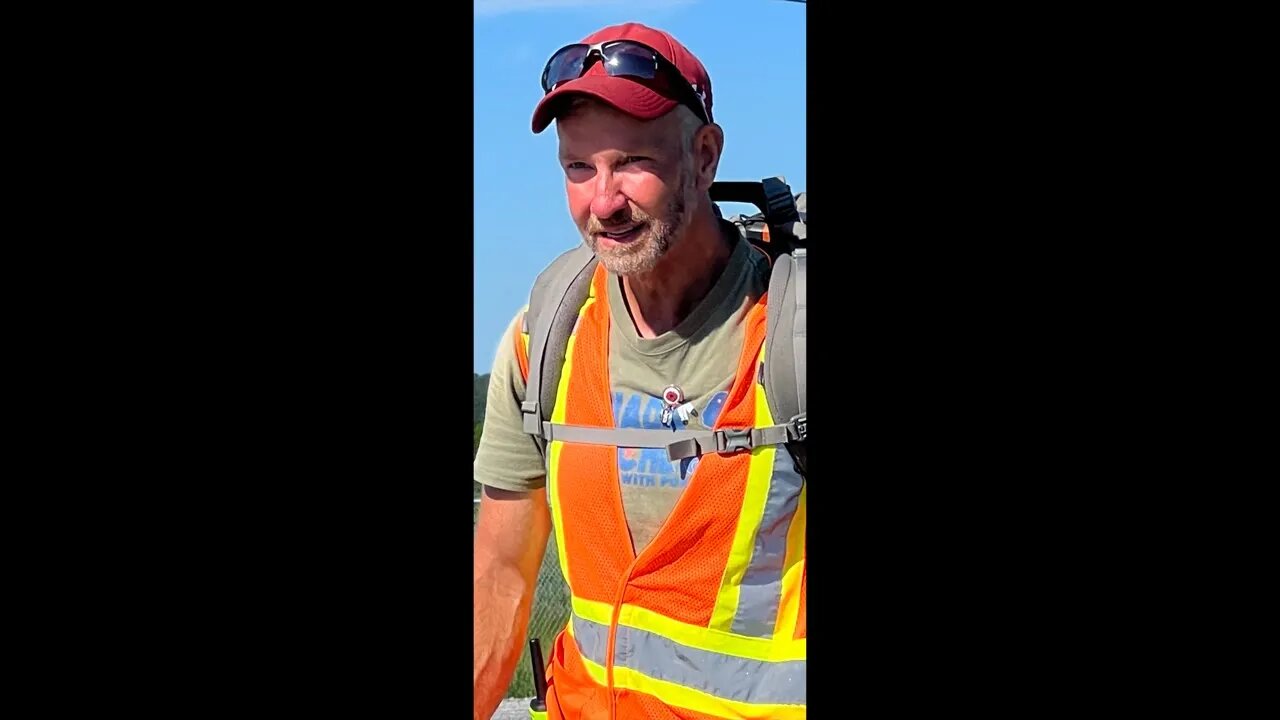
[[661, 298]]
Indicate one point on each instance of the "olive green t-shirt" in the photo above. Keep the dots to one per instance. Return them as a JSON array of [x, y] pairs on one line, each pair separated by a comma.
[[700, 356]]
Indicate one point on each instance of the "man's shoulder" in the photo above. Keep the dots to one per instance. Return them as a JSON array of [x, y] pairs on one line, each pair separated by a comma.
[[555, 279], [575, 257]]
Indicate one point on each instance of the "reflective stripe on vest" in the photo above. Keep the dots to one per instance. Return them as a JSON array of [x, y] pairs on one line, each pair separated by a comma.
[[705, 619]]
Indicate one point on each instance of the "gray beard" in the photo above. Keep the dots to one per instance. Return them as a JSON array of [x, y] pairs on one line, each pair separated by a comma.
[[661, 232]]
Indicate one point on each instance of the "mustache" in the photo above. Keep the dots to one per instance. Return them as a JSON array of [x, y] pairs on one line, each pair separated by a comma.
[[633, 216]]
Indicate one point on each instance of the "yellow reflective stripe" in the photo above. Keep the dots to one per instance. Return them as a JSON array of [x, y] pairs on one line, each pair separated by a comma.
[[713, 639], [595, 670], [593, 610], [749, 516], [698, 701], [730, 677], [557, 524], [673, 693], [591, 639], [757, 682], [719, 640], [789, 608], [555, 447]]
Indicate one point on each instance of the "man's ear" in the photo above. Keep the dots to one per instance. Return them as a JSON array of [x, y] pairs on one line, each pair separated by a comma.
[[708, 145]]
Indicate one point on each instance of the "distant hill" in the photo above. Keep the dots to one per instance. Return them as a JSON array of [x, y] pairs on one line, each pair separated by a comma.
[[479, 391]]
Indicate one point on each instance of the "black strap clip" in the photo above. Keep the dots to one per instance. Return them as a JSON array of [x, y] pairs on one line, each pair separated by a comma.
[[733, 441], [798, 428]]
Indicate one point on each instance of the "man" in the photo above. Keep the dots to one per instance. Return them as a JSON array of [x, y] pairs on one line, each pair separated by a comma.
[[687, 575]]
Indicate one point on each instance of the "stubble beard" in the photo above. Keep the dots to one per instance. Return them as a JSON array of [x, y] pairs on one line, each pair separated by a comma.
[[659, 235]]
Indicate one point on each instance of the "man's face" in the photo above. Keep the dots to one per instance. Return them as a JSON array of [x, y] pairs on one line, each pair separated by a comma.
[[630, 184]]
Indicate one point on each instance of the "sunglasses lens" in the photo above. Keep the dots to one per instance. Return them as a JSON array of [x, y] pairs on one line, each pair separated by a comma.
[[565, 65], [620, 58], [627, 59]]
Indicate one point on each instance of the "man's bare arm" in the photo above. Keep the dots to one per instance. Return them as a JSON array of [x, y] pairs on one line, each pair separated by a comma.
[[511, 537]]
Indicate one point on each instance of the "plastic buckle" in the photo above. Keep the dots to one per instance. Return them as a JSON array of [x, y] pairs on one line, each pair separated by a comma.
[[800, 426], [733, 440], [781, 204], [531, 418]]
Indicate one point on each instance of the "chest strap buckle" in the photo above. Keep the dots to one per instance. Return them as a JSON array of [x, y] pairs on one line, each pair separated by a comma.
[[732, 441]]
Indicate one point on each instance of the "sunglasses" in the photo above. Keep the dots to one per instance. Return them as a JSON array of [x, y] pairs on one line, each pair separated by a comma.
[[622, 58]]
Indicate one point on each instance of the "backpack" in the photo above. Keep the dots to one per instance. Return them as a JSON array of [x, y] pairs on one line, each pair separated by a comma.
[[777, 231]]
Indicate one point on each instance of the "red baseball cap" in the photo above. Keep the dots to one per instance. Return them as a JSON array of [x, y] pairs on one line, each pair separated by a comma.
[[628, 94]]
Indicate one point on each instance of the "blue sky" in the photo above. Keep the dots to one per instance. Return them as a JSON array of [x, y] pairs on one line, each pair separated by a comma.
[[754, 51]]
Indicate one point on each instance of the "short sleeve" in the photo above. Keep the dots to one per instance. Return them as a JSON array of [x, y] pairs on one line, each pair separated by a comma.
[[508, 458]]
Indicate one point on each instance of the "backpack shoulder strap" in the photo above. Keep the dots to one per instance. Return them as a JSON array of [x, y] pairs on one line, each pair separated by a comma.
[[557, 295], [779, 233], [785, 376], [785, 357]]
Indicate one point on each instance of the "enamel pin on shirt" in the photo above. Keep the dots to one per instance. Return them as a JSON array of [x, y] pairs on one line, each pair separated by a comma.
[[674, 404]]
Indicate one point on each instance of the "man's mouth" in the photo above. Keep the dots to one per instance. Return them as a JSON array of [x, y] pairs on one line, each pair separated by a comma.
[[623, 235]]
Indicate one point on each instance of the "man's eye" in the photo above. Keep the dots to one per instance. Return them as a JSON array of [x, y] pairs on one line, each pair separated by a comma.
[[575, 166], [633, 159]]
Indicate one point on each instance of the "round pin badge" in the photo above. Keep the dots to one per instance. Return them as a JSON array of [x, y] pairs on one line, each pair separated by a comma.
[[673, 395]]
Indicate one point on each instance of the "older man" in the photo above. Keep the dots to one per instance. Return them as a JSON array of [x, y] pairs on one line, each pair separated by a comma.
[[687, 575]]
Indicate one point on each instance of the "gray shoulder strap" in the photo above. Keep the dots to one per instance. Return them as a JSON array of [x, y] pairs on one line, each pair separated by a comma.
[[558, 294], [785, 376]]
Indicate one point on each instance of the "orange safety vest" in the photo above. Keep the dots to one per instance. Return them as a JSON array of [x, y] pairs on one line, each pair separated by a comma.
[[709, 620]]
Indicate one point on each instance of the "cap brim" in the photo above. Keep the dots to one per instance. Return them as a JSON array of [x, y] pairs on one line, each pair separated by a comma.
[[626, 95]]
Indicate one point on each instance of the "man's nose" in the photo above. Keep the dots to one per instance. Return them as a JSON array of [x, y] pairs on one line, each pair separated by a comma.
[[608, 200]]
